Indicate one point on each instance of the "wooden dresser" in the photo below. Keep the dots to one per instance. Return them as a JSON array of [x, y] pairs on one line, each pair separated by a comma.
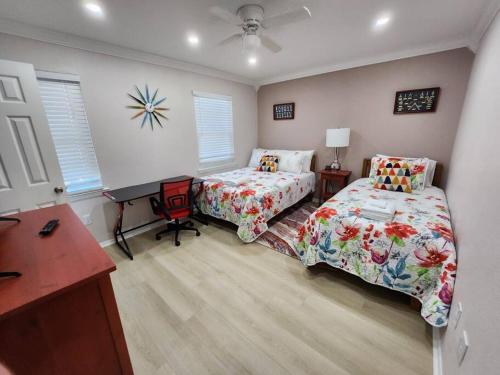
[[60, 316]]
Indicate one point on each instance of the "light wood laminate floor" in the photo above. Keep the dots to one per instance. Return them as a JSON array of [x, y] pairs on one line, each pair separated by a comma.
[[217, 306]]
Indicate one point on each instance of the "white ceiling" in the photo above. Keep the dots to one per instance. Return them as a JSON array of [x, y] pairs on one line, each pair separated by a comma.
[[340, 33]]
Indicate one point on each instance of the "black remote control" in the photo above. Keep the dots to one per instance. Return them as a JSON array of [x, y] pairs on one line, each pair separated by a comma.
[[49, 227]]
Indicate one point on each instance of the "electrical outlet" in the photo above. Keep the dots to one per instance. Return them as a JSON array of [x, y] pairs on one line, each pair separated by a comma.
[[457, 314], [86, 219], [462, 347]]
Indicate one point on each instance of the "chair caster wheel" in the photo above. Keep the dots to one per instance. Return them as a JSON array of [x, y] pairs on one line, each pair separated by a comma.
[[177, 243], [197, 234], [158, 238]]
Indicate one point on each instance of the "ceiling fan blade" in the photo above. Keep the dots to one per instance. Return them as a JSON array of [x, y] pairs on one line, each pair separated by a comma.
[[270, 44], [231, 39], [286, 18], [226, 16]]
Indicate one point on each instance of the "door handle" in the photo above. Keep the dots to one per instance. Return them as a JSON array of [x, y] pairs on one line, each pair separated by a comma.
[[58, 189]]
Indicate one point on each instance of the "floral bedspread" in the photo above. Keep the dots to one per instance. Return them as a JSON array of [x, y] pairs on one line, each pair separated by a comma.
[[414, 253], [249, 198]]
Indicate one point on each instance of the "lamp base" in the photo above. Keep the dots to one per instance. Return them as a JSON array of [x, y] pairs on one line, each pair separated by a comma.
[[335, 165]]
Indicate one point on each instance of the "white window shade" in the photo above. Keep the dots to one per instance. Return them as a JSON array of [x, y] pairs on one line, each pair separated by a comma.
[[214, 124], [65, 110]]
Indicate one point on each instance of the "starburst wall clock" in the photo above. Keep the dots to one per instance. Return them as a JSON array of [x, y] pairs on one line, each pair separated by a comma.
[[148, 106]]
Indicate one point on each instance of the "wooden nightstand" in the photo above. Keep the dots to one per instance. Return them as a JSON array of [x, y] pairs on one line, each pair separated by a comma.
[[332, 178]]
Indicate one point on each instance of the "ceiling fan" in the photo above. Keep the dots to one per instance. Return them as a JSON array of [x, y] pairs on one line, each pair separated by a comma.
[[252, 21]]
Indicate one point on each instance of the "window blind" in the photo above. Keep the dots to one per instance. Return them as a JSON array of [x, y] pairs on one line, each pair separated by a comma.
[[214, 124], [65, 110]]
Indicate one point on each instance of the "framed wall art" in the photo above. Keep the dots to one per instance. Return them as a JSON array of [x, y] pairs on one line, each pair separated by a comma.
[[416, 101], [284, 111]]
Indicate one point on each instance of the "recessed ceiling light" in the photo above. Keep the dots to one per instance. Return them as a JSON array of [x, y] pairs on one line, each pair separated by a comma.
[[252, 60], [193, 39], [382, 21], [94, 8]]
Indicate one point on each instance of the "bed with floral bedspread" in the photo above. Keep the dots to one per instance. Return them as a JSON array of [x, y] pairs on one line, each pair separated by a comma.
[[414, 253], [249, 198]]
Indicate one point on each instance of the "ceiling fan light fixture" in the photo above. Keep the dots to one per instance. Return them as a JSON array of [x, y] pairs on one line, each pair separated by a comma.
[[193, 40], [93, 8], [382, 21], [251, 42]]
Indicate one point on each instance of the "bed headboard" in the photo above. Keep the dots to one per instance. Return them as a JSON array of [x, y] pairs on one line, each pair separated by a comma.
[[367, 163], [313, 164]]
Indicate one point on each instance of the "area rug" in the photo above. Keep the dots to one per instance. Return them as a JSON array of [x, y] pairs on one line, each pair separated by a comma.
[[284, 228]]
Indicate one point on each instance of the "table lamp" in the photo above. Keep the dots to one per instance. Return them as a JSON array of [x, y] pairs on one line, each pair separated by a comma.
[[337, 138]]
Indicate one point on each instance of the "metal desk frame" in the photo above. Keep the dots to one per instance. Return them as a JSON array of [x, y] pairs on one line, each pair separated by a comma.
[[131, 193]]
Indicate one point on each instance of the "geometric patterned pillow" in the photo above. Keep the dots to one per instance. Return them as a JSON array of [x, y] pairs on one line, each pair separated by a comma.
[[268, 163], [419, 167], [394, 175]]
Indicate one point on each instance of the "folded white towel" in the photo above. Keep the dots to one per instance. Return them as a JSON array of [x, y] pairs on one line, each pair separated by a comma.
[[377, 203], [377, 212], [377, 217]]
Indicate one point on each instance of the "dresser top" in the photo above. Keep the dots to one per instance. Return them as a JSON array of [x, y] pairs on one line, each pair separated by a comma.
[[50, 265]]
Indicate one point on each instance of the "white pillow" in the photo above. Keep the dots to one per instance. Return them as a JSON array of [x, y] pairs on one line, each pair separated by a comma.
[[306, 165], [256, 156], [429, 173], [290, 161], [395, 157]]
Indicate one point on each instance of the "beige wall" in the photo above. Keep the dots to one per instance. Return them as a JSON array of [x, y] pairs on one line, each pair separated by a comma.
[[475, 205], [363, 99], [127, 154]]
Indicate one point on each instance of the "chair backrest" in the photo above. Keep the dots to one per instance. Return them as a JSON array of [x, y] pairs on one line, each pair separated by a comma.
[[176, 195]]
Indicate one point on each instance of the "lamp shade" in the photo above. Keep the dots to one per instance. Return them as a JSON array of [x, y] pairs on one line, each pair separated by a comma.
[[337, 137]]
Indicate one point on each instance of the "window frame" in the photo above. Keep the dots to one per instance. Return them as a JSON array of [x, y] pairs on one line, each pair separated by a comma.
[[207, 167], [73, 79]]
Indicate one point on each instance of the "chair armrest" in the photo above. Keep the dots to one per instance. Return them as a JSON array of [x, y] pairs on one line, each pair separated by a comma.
[[158, 207]]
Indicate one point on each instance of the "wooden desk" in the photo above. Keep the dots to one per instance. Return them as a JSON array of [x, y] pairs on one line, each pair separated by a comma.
[[330, 176], [60, 316]]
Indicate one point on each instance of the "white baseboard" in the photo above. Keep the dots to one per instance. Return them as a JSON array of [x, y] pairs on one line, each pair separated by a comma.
[[133, 233], [437, 359]]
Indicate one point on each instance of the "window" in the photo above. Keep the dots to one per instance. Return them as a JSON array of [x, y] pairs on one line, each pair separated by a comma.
[[65, 110], [214, 124]]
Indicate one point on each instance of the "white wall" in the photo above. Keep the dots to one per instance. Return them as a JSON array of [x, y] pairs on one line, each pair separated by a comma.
[[473, 195], [127, 154]]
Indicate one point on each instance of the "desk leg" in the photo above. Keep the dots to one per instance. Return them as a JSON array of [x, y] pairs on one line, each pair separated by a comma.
[[118, 232]]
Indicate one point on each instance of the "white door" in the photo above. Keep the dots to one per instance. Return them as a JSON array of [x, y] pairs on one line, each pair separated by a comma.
[[30, 176]]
